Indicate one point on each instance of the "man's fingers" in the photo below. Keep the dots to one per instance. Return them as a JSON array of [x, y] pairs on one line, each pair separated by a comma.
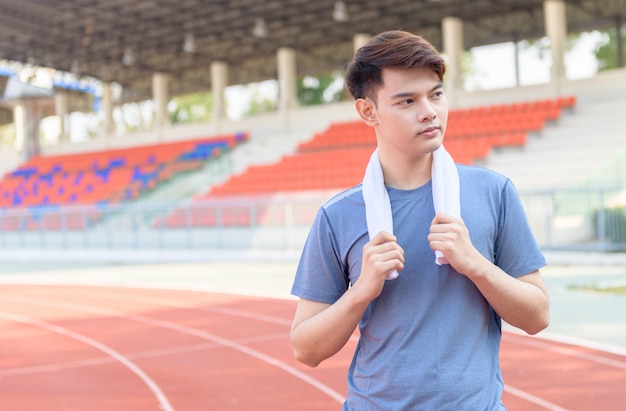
[[443, 218], [384, 252], [383, 237]]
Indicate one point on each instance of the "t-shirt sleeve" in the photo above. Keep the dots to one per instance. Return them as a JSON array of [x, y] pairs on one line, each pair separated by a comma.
[[320, 275], [516, 249]]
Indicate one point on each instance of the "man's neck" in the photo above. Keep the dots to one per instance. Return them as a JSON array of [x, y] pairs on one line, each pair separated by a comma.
[[407, 173]]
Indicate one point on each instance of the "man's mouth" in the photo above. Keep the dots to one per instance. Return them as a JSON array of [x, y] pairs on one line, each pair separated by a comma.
[[430, 131]]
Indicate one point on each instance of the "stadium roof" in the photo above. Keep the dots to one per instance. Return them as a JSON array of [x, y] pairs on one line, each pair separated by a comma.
[[126, 41]]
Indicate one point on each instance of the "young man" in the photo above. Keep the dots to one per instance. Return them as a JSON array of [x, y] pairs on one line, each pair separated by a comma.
[[429, 339]]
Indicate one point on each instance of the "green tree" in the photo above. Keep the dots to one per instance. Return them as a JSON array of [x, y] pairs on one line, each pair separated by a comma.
[[326, 88], [260, 102], [606, 50], [191, 108], [542, 45]]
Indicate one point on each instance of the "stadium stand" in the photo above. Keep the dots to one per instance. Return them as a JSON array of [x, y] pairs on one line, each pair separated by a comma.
[[336, 158], [102, 177], [331, 160]]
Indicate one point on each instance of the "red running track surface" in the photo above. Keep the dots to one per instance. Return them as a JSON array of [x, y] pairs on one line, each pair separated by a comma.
[[107, 348]]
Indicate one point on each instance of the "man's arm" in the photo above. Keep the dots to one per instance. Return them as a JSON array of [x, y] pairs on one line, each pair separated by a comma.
[[320, 330], [522, 302]]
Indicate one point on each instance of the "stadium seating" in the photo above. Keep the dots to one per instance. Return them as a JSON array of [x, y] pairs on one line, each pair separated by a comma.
[[331, 160], [103, 177], [335, 159]]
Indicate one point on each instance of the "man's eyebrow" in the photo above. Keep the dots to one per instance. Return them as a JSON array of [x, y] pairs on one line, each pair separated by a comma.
[[404, 94]]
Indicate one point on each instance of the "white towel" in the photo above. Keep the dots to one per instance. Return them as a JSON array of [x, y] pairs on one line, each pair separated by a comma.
[[445, 187]]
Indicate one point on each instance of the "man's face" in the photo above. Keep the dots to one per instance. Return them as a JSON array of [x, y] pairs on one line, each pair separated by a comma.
[[411, 111]]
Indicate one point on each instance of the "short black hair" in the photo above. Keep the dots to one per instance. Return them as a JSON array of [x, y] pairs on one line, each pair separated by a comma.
[[396, 48]]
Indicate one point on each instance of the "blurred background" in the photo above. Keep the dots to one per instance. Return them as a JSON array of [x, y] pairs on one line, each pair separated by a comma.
[[188, 130]]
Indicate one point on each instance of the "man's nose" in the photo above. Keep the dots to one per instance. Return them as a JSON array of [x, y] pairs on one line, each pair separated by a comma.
[[427, 111]]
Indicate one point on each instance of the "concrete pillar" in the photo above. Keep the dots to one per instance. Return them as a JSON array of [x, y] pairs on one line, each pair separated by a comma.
[[160, 94], [287, 78], [107, 108], [20, 121], [26, 128], [219, 82], [556, 30], [61, 109], [359, 40], [516, 58], [453, 45]]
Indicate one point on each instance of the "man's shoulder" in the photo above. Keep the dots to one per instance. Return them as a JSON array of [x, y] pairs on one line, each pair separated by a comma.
[[481, 174], [346, 198]]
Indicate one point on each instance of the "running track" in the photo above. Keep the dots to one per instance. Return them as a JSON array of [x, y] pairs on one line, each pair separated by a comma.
[[108, 348]]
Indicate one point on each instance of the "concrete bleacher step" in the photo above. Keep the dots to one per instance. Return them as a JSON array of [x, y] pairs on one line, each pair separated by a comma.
[[261, 150], [170, 194], [568, 151]]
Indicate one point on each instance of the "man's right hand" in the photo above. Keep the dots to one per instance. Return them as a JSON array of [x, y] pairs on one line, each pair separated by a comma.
[[381, 255]]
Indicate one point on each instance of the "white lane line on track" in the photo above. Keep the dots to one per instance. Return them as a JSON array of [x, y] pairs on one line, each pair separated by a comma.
[[277, 320], [186, 330], [160, 302], [569, 340], [65, 365], [163, 401], [545, 345], [533, 399], [9, 372], [168, 301]]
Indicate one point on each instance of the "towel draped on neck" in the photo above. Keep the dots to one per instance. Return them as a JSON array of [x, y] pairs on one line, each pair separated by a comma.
[[445, 188]]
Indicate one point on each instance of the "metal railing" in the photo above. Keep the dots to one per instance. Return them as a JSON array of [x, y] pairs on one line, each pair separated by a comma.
[[592, 219], [581, 219]]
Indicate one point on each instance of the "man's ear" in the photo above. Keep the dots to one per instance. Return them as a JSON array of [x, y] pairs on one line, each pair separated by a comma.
[[367, 111]]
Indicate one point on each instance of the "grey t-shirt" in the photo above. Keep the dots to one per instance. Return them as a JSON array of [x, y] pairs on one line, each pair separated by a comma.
[[430, 341]]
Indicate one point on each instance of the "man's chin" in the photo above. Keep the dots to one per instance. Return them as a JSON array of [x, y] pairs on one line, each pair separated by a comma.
[[435, 142]]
